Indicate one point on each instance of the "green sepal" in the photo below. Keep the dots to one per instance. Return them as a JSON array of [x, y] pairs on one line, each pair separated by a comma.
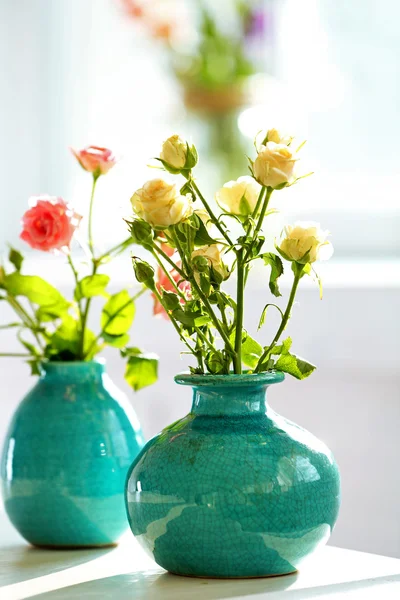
[[141, 232], [144, 272]]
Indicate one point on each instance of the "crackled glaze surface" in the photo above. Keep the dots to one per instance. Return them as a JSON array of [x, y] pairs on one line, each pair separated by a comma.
[[66, 456], [232, 489]]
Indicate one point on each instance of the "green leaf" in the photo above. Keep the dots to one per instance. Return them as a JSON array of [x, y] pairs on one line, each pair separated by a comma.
[[264, 314], [251, 349], [35, 366], [36, 289], [32, 349], [15, 258], [141, 369], [294, 365], [215, 362], [186, 234], [187, 318], [92, 285], [118, 313], [51, 312], [276, 265], [202, 237], [116, 341], [66, 340]]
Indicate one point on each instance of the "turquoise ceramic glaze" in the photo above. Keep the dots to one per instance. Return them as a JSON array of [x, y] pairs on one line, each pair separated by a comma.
[[232, 489], [66, 457]]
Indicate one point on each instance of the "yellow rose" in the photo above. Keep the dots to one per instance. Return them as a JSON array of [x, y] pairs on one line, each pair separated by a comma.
[[274, 165], [212, 255], [305, 243], [174, 152], [274, 135], [159, 203], [239, 197]]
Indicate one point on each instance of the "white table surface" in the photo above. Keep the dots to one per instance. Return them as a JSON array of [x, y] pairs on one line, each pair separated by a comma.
[[125, 572]]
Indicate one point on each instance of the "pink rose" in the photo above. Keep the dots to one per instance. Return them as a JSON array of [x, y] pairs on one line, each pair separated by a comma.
[[164, 282], [49, 224], [95, 159]]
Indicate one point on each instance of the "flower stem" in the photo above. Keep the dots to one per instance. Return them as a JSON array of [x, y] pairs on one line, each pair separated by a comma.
[[25, 317], [283, 324], [168, 275], [210, 212], [174, 323], [259, 222], [170, 261], [90, 218], [205, 300], [239, 314], [116, 249], [15, 354]]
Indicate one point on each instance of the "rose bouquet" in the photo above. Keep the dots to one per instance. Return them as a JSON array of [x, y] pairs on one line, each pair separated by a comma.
[[52, 328], [196, 253]]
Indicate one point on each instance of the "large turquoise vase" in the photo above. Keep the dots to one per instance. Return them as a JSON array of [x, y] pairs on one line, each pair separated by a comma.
[[66, 457], [233, 489]]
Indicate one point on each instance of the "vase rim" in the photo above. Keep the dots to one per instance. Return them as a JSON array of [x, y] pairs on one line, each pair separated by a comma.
[[97, 363], [232, 380]]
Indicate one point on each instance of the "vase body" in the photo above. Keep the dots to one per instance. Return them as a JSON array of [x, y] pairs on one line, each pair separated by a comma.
[[232, 489], [66, 456]]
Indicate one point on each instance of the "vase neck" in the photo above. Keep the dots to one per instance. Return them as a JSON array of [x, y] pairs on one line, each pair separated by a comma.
[[73, 372], [229, 401]]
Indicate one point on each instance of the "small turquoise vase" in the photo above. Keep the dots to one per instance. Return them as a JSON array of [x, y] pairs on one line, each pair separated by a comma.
[[232, 489], [66, 456]]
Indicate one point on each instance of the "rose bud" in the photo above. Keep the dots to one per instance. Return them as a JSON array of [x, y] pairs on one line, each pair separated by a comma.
[[305, 243], [95, 159], [49, 224], [239, 197], [274, 165], [160, 204], [213, 257], [274, 135], [176, 155]]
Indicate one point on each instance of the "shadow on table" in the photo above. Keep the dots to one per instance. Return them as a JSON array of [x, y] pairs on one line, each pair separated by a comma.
[[27, 562], [151, 585]]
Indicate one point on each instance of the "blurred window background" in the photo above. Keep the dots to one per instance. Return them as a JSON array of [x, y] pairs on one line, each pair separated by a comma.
[[78, 73]]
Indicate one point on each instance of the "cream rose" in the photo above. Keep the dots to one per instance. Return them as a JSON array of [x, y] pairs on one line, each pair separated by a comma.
[[174, 152], [274, 165], [239, 197], [212, 255], [305, 243], [159, 203], [274, 135]]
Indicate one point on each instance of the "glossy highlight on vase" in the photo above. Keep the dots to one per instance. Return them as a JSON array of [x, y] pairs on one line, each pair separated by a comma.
[[66, 456], [233, 489]]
